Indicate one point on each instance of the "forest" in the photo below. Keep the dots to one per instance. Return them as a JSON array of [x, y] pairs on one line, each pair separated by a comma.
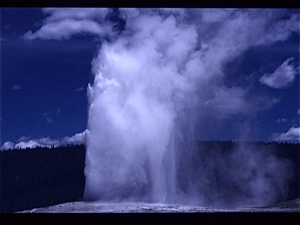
[[40, 177]]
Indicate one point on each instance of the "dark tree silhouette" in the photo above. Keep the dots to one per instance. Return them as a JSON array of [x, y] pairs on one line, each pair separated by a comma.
[[40, 177]]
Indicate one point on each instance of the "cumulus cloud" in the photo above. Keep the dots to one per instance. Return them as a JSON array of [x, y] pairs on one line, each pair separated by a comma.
[[282, 77], [76, 139], [42, 142], [7, 145], [16, 87], [32, 144], [293, 134], [24, 142]]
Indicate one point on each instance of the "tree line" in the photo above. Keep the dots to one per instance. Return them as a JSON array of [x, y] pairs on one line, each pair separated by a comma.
[[42, 176]]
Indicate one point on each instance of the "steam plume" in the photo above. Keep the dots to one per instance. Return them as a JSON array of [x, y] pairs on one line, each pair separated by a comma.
[[154, 82]]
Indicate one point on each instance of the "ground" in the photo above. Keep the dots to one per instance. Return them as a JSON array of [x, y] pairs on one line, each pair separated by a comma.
[[140, 207]]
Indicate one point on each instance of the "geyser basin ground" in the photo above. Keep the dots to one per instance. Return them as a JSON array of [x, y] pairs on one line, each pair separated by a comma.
[[141, 207]]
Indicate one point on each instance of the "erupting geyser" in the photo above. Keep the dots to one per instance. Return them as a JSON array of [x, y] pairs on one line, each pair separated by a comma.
[[134, 110], [153, 83]]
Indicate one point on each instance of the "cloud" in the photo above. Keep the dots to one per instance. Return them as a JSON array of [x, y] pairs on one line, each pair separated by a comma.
[[58, 14], [80, 89], [298, 112], [24, 138], [200, 41], [16, 87], [65, 29], [215, 15], [283, 120], [24, 142], [76, 139], [62, 23], [228, 100], [42, 142], [46, 115], [282, 77], [32, 144], [293, 134], [7, 145]]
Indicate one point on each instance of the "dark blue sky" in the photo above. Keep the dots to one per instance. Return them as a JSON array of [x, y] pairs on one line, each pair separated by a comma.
[[44, 81]]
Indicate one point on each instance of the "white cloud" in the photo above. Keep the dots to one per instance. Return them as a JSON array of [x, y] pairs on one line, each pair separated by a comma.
[[29, 144], [57, 14], [7, 145], [48, 142], [293, 134], [283, 120], [76, 139], [298, 112], [281, 29], [24, 138], [44, 142], [16, 87], [66, 28], [62, 23], [282, 77]]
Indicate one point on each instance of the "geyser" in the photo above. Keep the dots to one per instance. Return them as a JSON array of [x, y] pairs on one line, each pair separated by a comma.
[[153, 83], [134, 106], [131, 123]]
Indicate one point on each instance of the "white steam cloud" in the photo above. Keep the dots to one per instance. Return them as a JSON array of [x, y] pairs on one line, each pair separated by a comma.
[[155, 79], [152, 84]]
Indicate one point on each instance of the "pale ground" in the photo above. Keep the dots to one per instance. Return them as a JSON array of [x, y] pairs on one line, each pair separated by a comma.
[[140, 207]]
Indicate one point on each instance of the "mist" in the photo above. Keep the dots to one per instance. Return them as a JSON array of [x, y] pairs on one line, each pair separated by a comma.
[[155, 81]]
